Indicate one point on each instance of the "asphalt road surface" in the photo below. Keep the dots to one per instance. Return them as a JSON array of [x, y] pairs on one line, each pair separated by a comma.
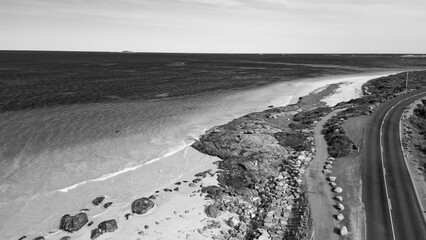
[[391, 206]]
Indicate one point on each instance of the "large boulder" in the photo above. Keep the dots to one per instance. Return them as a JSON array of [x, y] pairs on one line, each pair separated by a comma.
[[73, 223], [340, 217], [212, 211], [338, 190], [108, 226], [142, 205]]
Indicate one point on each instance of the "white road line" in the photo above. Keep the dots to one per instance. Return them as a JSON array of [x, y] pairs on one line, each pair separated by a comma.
[[383, 164]]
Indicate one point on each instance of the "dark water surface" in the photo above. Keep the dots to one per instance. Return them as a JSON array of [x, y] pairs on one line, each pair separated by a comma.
[[41, 79]]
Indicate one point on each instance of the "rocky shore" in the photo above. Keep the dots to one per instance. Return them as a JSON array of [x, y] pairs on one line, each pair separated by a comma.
[[264, 157]]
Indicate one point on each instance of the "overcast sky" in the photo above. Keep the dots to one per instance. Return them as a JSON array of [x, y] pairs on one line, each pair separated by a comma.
[[263, 26]]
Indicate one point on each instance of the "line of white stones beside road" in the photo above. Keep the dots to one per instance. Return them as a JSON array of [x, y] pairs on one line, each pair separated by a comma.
[[339, 206]]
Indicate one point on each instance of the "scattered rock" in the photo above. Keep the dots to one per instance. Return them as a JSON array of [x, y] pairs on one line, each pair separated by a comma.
[[337, 190], [340, 217], [84, 210], [152, 197], [339, 198], [146, 226], [39, 238], [176, 189], [22, 238], [90, 223], [178, 183], [106, 205], [212, 211], [95, 233], [73, 223], [333, 184], [127, 216], [343, 231], [142, 205], [66, 238], [332, 178], [98, 200], [192, 185]]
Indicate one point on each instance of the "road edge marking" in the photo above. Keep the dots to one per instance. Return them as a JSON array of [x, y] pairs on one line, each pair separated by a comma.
[[384, 171]]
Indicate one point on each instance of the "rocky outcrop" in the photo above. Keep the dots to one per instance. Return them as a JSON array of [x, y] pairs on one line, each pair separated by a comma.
[[73, 223], [142, 205], [260, 177]]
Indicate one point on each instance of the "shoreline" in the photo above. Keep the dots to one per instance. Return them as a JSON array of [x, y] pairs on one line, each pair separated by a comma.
[[160, 206]]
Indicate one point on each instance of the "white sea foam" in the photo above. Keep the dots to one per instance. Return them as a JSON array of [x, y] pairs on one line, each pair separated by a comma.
[[128, 169]]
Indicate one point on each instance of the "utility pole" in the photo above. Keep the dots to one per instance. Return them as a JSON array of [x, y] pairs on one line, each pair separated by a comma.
[[406, 82]]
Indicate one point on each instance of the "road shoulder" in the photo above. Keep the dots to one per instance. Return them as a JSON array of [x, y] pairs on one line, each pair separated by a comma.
[[410, 136]]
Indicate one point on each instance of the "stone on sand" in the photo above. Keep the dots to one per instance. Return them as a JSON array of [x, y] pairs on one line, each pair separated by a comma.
[[98, 200], [142, 205], [73, 223]]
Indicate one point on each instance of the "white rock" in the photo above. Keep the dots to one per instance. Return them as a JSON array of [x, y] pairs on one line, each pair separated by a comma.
[[338, 190], [343, 230], [328, 166], [340, 217], [331, 159], [332, 178], [333, 184], [327, 171], [233, 221], [339, 198], [340, 207]]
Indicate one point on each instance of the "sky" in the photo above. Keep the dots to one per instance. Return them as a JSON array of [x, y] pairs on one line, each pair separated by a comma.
[[215, 26]]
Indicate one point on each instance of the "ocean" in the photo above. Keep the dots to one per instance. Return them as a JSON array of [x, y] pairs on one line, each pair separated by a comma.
[[74, 126]]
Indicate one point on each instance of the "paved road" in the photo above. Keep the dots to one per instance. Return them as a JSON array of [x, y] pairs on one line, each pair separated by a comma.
[[402, 217]]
